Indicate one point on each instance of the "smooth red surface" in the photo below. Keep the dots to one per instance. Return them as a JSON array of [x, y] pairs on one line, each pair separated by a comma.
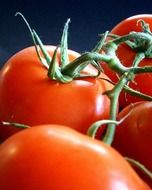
[[57, 157], [134, 135], [30, 97]]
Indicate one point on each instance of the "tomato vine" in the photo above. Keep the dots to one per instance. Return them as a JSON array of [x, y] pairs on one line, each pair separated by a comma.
[[105, 50], [67, 71]]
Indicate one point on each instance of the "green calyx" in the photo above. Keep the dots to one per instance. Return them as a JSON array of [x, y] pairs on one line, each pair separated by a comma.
[[62, 71]]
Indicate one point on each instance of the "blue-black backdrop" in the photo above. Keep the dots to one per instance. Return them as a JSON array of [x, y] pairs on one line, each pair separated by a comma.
[[88, 19]]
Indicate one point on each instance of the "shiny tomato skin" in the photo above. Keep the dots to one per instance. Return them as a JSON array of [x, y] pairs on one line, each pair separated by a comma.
[[134, 135], [29, 96], [57, 157], [127, 55]]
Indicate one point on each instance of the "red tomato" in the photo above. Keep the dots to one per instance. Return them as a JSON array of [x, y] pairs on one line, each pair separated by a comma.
[[57, 157], [126, 56], [30, 97], [134, 135]]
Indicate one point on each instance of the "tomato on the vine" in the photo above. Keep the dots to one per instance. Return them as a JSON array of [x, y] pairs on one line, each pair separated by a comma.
[[57, 157], [30, 97], [133, 136], [126, 55]]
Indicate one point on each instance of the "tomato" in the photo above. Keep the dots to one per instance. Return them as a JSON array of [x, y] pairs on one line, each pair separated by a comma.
[[127, 55], [57, 157], [134, 135], [29, 96]]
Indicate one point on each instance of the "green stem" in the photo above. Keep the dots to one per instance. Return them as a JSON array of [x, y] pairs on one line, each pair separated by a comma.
[[114, 96], [52, 67], [43, 61], [133, 35], [100, 44], [145, 26], [139, 166], [138, 58], [17, 125], [42, 47], [64, 45], [144, 69], [95, 126], [133, 92], [88, 57]]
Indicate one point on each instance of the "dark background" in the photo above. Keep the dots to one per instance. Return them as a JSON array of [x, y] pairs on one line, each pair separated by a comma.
[[88, 19]]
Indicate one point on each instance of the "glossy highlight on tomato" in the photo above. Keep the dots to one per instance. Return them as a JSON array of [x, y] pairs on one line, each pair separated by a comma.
[[126, 55], [30, 97], [57, 157]]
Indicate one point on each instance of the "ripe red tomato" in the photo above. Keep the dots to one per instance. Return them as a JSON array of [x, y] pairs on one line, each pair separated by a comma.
[[134, 135], [30, 97], [126, 56], [57, 157]]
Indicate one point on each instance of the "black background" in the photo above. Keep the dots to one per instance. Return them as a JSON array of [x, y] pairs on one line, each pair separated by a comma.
[[88, 19]]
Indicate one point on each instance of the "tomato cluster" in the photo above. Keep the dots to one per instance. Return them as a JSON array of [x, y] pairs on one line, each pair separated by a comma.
[[54, 151]]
